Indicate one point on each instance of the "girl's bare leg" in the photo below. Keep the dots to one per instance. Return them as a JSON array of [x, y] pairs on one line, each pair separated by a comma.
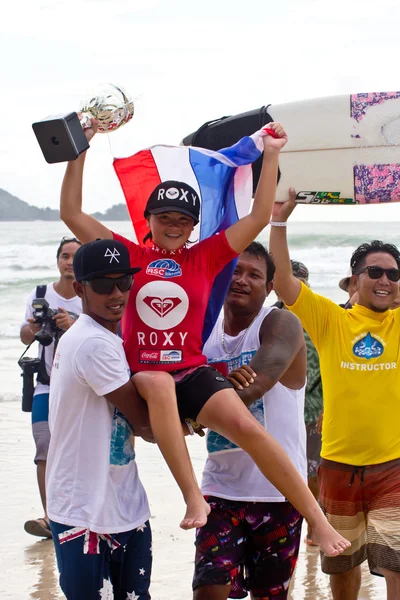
[[226, 414], [158, 390]]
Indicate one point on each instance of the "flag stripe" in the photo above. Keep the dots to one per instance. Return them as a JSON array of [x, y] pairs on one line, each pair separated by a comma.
[[138, 176], [222, 179]]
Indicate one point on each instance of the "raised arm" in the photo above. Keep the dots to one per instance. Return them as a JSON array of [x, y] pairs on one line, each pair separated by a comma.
[[242, 233], [282, 341], [285, 284], [82, 225]]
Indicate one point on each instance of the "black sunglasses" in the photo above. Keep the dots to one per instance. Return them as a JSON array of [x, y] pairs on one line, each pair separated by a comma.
[[105, 285], [377, 273]]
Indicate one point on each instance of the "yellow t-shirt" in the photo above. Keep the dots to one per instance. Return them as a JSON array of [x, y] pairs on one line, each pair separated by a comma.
[[359, 352]]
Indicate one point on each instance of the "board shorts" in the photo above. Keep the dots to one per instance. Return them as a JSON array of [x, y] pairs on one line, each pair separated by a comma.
[[314, 443], [362, 504], [196, 388], [40, 426], [112, 566], [252, 546]]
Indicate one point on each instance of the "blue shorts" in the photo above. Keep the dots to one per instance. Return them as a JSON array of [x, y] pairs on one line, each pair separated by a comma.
[[40, 426], [113, 566]]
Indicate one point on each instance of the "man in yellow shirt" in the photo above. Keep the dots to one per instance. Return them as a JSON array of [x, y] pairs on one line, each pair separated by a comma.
[[359, 351]]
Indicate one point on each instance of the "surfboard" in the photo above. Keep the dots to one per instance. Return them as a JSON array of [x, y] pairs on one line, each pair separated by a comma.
[[342, 149]]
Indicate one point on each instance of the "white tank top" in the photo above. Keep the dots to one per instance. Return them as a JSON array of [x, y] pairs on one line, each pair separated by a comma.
[[229, 472]]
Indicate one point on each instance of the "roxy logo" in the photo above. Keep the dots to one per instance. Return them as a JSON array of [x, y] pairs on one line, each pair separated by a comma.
[[177, 194], [162, 306]]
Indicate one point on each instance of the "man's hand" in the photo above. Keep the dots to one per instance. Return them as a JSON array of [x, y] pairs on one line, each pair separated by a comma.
[[272, 143], [282, 210], [63, 319], [33, 327], [242, 377]]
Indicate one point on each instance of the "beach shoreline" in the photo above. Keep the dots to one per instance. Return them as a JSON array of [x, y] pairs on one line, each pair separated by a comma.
[[28, 566]]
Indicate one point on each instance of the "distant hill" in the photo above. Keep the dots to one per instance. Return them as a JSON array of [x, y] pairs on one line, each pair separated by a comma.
[[14, 209]]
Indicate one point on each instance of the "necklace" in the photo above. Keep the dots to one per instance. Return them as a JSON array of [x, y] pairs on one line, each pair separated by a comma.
[[240, 339]]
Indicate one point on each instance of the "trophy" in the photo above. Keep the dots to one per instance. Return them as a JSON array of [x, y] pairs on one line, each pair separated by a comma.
[[62, 138]]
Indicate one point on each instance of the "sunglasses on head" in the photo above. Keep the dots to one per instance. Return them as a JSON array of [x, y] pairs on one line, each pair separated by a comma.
[[105, 285], [377, 273]]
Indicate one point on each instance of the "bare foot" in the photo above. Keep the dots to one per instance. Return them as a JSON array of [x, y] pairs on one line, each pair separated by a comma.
[[331, 542], [309, 540], [196, 514]]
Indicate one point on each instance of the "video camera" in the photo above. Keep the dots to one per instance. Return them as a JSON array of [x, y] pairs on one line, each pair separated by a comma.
[[43, 315]]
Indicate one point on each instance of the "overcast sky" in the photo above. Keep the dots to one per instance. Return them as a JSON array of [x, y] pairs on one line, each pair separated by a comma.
[[188, 62]]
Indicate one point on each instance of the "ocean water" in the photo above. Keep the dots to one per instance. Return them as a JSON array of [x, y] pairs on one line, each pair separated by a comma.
[[27, 258]]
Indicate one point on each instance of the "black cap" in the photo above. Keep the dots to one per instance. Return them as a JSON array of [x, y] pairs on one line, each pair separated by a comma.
[[102, 257], [174, 196]]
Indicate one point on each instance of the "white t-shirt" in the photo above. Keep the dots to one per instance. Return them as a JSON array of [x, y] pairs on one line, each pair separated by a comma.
[[230, 472], [92, 479], [55, 301]]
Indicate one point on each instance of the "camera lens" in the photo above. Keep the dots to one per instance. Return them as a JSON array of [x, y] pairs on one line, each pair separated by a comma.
[[55, 140]]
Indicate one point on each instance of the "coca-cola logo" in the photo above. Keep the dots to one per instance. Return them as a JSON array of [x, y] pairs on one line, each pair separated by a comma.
[[150, 355]]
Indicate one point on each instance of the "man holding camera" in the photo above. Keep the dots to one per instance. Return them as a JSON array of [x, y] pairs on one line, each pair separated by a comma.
[[45, 322]]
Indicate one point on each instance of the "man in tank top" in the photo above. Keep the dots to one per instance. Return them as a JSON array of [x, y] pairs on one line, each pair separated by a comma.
[[251, 540]]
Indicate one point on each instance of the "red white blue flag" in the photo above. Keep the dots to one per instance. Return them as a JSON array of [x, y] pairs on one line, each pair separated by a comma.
[[223, 181]]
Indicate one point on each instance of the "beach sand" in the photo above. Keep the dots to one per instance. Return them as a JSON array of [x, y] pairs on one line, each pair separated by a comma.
[[27, 564]]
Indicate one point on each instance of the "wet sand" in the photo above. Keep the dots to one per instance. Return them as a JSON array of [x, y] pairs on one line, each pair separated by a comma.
[[27, 565]]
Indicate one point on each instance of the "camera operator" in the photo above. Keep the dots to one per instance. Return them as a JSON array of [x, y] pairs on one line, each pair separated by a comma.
[[47, 320]]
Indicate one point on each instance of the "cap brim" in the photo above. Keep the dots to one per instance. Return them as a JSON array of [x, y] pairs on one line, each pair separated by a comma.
[[344, 283], [104, 272], [164, 209]]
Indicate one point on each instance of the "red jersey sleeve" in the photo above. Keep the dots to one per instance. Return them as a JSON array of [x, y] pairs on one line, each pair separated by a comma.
[[135, 251], [214, 253]]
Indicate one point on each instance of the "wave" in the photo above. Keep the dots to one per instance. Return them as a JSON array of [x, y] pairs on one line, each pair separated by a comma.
[[10, 397], [324, 242], [30, 268]]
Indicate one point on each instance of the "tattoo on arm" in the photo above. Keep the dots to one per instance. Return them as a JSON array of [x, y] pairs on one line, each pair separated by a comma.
[[281, 338]]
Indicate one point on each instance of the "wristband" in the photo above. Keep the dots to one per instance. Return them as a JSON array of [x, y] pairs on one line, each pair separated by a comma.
[[271, 132], [278, 223]]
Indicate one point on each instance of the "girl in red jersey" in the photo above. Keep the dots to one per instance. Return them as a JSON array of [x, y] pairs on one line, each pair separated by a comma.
[[162, 332]]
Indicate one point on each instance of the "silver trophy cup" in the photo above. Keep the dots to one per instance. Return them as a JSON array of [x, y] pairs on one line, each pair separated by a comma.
[[62, 138]]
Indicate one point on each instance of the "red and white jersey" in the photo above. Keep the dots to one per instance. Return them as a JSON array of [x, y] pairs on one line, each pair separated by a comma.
[[163, 321]]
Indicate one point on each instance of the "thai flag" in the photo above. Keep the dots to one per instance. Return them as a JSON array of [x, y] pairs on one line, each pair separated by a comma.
[[223, 181]]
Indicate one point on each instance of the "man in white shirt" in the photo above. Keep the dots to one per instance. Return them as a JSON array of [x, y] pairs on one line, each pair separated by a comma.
[[98, 509], [61, 297], [251, 540]]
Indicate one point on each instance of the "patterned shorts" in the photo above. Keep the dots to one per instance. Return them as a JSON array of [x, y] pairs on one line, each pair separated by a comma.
[[363, 504], [252, 546], [110, 566]]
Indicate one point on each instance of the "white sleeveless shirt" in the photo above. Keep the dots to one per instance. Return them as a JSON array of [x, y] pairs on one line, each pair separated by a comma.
[[229, 472]]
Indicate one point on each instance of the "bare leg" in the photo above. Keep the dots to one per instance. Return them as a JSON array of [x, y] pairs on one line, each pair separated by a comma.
[[392, 584], [313, 486], [226, 414], [345, 586], [40, 527], [212, 592], [41, 478], [158, 389]]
